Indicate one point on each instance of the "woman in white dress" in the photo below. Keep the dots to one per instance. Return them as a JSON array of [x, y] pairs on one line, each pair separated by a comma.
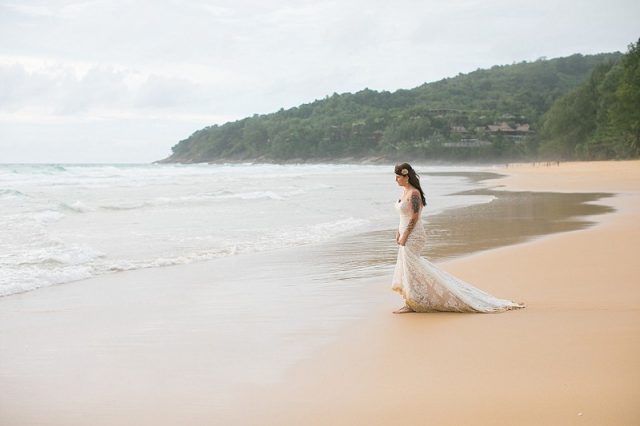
[[424, 287]]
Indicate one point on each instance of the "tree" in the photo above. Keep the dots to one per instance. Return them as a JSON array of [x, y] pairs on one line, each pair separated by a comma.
[[626, 111]]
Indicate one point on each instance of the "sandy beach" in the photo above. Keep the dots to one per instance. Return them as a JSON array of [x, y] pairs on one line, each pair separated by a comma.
[[571, 357]]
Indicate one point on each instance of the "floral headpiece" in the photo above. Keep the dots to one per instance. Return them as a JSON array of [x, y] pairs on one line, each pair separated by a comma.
[[404, 172]]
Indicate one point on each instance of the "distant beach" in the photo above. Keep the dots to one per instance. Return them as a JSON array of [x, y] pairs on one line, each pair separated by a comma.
[[302, 333]]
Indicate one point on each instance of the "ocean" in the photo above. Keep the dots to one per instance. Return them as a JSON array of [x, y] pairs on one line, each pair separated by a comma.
[[67, 222]]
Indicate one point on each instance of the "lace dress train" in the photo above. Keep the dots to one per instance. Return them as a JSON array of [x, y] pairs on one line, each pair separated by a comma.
[[426, 288]]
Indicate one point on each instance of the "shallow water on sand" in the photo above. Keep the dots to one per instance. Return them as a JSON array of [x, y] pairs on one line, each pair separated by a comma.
[[510, 217]]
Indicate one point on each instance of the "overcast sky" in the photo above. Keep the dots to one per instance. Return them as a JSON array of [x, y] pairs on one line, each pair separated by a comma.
[[123, 81]]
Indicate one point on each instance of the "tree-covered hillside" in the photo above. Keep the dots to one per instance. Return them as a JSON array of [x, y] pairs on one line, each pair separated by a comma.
[[600, 119], [483, 115]]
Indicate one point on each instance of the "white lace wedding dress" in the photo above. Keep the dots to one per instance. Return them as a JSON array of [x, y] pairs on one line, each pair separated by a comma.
[[426, 288]]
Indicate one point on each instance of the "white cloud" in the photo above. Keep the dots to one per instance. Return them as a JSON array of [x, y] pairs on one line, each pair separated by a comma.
[[61, 90], [65, 9], [30, 9]]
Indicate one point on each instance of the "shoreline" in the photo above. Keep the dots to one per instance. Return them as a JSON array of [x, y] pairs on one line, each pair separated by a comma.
[[360, 375]]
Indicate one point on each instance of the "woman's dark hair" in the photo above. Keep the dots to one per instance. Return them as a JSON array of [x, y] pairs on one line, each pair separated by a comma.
[[414, 179]]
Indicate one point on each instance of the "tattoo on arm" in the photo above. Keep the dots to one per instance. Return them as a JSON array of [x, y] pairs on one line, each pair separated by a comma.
[[415, 202], [410, 226]]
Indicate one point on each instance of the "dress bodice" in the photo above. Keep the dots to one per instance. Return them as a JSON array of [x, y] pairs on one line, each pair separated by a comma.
[[405, 210], [404, 207]]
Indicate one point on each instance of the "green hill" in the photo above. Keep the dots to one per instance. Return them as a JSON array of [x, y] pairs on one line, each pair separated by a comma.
[[600, 119], [484, 115]]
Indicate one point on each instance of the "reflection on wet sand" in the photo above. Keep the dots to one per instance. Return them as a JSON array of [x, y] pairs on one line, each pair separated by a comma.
[[510, 218]]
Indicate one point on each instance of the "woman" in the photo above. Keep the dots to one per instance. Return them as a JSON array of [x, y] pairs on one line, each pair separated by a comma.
[[426, 288]]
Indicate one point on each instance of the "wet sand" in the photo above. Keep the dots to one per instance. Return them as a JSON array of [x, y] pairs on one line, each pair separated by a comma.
[[165, 346], [511, 217]]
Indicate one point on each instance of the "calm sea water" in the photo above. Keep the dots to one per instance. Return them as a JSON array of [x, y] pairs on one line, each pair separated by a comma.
[[62, 223]]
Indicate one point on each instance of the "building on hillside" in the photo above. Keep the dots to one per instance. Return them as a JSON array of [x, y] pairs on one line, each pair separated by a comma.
[[516, 134], [459, 129], [466, 143], [505, 129], [499, 128]]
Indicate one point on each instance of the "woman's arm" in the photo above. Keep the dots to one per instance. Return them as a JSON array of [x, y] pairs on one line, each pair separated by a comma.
[[415, 215]]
